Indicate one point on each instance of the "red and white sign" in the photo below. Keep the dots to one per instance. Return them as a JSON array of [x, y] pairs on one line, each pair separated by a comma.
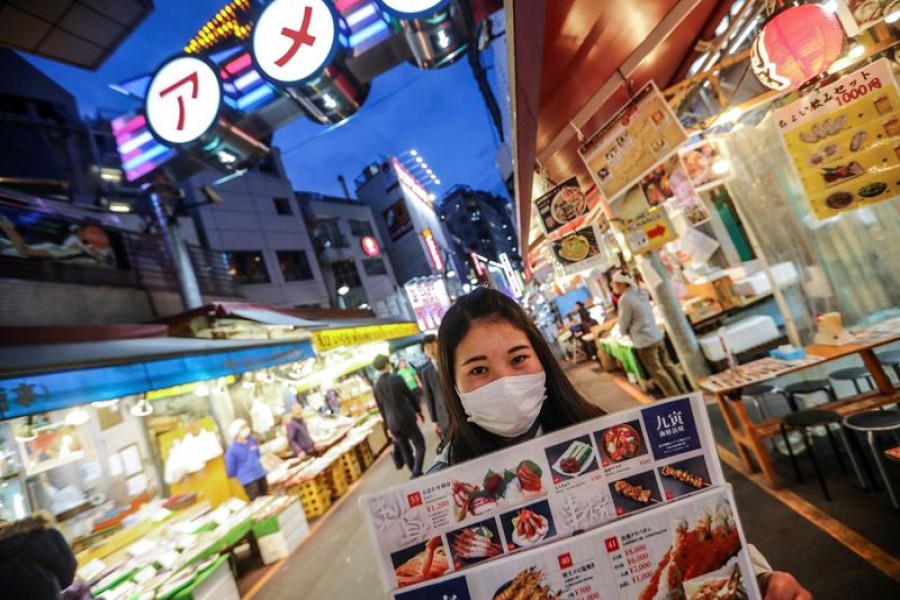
[[434, 253], [412, 8], [411, 184], [369, 245], [294, 39], [183, 100]]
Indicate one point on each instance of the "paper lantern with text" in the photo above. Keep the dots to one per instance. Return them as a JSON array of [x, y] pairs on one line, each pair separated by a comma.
[[796, 45]]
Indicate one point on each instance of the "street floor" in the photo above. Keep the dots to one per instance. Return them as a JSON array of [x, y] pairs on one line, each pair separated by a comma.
[[336, 561]]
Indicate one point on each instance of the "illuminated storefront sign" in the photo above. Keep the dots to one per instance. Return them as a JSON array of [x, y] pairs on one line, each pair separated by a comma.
[[511, 275], [477, 261], [434, 253], [354, 336], [183, 100], [369, 245], [412, 9], [295, 39], [411, 184], [429, 300]]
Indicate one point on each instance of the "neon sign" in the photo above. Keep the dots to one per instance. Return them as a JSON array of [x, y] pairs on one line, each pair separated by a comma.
[[183, 100], [434, 253], [369, 245]]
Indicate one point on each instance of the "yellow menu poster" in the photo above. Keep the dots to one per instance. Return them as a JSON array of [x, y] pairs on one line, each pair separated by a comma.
[[844, 140]]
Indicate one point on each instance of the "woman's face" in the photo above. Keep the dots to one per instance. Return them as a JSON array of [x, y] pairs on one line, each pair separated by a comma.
[[492, 350]]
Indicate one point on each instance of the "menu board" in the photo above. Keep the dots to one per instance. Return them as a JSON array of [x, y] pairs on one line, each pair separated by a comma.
[[858, 15], [561, 205], [541, 491], [701, 161], [693, 549], [644, 132], [844, 140], [584, 249]]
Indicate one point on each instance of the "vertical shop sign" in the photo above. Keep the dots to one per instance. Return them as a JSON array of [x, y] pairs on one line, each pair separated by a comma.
[[183, 100], [434, 253], [294, 40], [844, 140], [643, 133]]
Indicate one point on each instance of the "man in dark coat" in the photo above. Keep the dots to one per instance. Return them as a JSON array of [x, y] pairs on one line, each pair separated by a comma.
[[35, 561], [434, 395], [397, 406]]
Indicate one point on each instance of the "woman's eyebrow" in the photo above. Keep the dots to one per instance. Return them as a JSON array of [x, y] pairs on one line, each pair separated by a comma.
[[517, 348], [474, 359]]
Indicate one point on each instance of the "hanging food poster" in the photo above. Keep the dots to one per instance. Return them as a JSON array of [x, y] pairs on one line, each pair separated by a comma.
[[844, 140], [643, 133], [561, 205], [702, 161], [858, 15], [581, 250], [686, 200]]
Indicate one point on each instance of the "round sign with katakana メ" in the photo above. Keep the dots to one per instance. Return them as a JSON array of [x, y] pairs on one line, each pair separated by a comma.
[[183, 100], [293, 40], [412, 9]]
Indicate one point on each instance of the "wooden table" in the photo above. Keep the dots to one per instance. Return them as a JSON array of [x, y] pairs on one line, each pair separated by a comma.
[[749, 435]]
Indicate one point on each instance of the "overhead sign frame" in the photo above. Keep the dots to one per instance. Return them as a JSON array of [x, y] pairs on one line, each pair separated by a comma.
[[207, 123]]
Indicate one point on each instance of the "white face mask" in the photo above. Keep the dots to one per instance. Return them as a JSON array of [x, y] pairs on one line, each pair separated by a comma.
[[244, 433], [508, 406]]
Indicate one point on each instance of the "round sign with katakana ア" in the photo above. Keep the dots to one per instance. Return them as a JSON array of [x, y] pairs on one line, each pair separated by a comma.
[[412, 9], [183, 99], [293, 40]]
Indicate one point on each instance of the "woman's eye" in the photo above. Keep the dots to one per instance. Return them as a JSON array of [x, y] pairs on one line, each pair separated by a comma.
[[478, 371], [519, 359]]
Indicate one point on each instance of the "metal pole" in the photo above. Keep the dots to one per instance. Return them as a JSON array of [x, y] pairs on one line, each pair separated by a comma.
[[677, 326], [178, 253]]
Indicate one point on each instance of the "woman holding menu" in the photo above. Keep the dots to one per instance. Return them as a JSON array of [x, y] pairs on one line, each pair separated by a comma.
[[502, 386]]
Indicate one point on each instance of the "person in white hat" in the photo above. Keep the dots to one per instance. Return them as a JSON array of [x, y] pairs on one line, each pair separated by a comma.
[[637, 322], [242, 460]]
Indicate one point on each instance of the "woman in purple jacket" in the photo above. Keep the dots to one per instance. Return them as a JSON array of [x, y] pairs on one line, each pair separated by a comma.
[[301, 443], [242, 460]]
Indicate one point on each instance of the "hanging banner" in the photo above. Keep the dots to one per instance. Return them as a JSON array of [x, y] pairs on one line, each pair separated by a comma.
[[858, 15], [581, 250], [643, 133], [561, 205], [844, 140], [650, 231]]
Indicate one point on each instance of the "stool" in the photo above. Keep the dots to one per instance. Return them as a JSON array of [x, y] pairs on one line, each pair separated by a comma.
[[891, 359], [755, 392], [872, 422], [854, 375], [805, 388], [816, 417]]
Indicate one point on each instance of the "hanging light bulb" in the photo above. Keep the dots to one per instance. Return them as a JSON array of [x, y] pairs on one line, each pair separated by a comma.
[[77, 416], [143, 408]]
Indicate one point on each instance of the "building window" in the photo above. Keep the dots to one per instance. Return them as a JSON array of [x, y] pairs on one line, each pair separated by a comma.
[[327, 234], [374, 266], [346, 273], [282, 206], [360, 228], [294, 265], [248, 267]]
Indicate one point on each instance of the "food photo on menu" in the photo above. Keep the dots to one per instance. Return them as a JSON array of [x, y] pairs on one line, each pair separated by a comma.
[[497, 489], [684, 477], [528, 526], [635, 492], [621, 443], [475, 543], [571, 459], [421, 562]]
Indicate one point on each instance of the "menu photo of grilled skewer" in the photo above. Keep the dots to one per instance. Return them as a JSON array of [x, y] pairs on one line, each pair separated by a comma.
[[684, 477], [635, 492]]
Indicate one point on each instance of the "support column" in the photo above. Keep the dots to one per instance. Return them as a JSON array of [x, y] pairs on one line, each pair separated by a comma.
[[188, 287]]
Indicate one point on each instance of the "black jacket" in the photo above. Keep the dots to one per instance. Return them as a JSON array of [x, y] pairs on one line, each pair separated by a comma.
[[35, 561], [434, 399], [396, 402]]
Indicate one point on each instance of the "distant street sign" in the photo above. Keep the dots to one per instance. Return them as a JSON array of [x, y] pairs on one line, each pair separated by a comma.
[[412, 9], [294, 40], [183, 100]]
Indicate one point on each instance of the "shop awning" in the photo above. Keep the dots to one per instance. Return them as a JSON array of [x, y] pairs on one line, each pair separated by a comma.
[[576, 62], [266, 316], [41, 377]]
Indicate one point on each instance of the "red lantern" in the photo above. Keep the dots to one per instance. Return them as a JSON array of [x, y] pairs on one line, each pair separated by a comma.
[[795, 46]]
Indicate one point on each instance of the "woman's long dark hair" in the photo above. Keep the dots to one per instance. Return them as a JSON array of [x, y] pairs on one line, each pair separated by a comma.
[[563, 407]]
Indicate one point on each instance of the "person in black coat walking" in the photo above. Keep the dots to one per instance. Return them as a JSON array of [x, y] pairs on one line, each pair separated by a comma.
[[431, 388], [399, 410], [35, 560]]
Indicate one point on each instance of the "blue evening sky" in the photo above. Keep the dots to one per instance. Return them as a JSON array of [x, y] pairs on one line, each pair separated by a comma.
[[439, 113]]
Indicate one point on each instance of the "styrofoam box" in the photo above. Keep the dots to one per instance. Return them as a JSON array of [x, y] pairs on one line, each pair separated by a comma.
[[741, 336], [754, 285]]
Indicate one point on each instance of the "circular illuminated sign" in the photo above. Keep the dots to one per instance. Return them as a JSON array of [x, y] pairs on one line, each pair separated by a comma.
[[369, 245], [412, 9], [293, 40], [183, 99]]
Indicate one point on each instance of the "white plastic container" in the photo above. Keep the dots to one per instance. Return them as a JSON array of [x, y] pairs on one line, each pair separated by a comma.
[[743, 335]]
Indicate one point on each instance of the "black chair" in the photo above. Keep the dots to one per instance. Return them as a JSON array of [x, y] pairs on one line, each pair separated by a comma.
[[891, 359], [871, 423], [854, 375], [756, 395], [802, 421], [807, 388]]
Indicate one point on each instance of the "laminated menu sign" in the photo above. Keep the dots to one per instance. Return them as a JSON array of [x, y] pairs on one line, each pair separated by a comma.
[[561, 205], [550, 488], [844, 140], [693, 549], [581, 250]]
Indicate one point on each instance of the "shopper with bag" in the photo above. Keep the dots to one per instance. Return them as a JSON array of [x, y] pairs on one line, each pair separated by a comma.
[[399, 410], [502, 386]]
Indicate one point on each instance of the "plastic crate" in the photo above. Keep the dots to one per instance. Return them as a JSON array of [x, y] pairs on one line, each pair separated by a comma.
[[337, 480], [314, 494], [364, 454], [350, 464]]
